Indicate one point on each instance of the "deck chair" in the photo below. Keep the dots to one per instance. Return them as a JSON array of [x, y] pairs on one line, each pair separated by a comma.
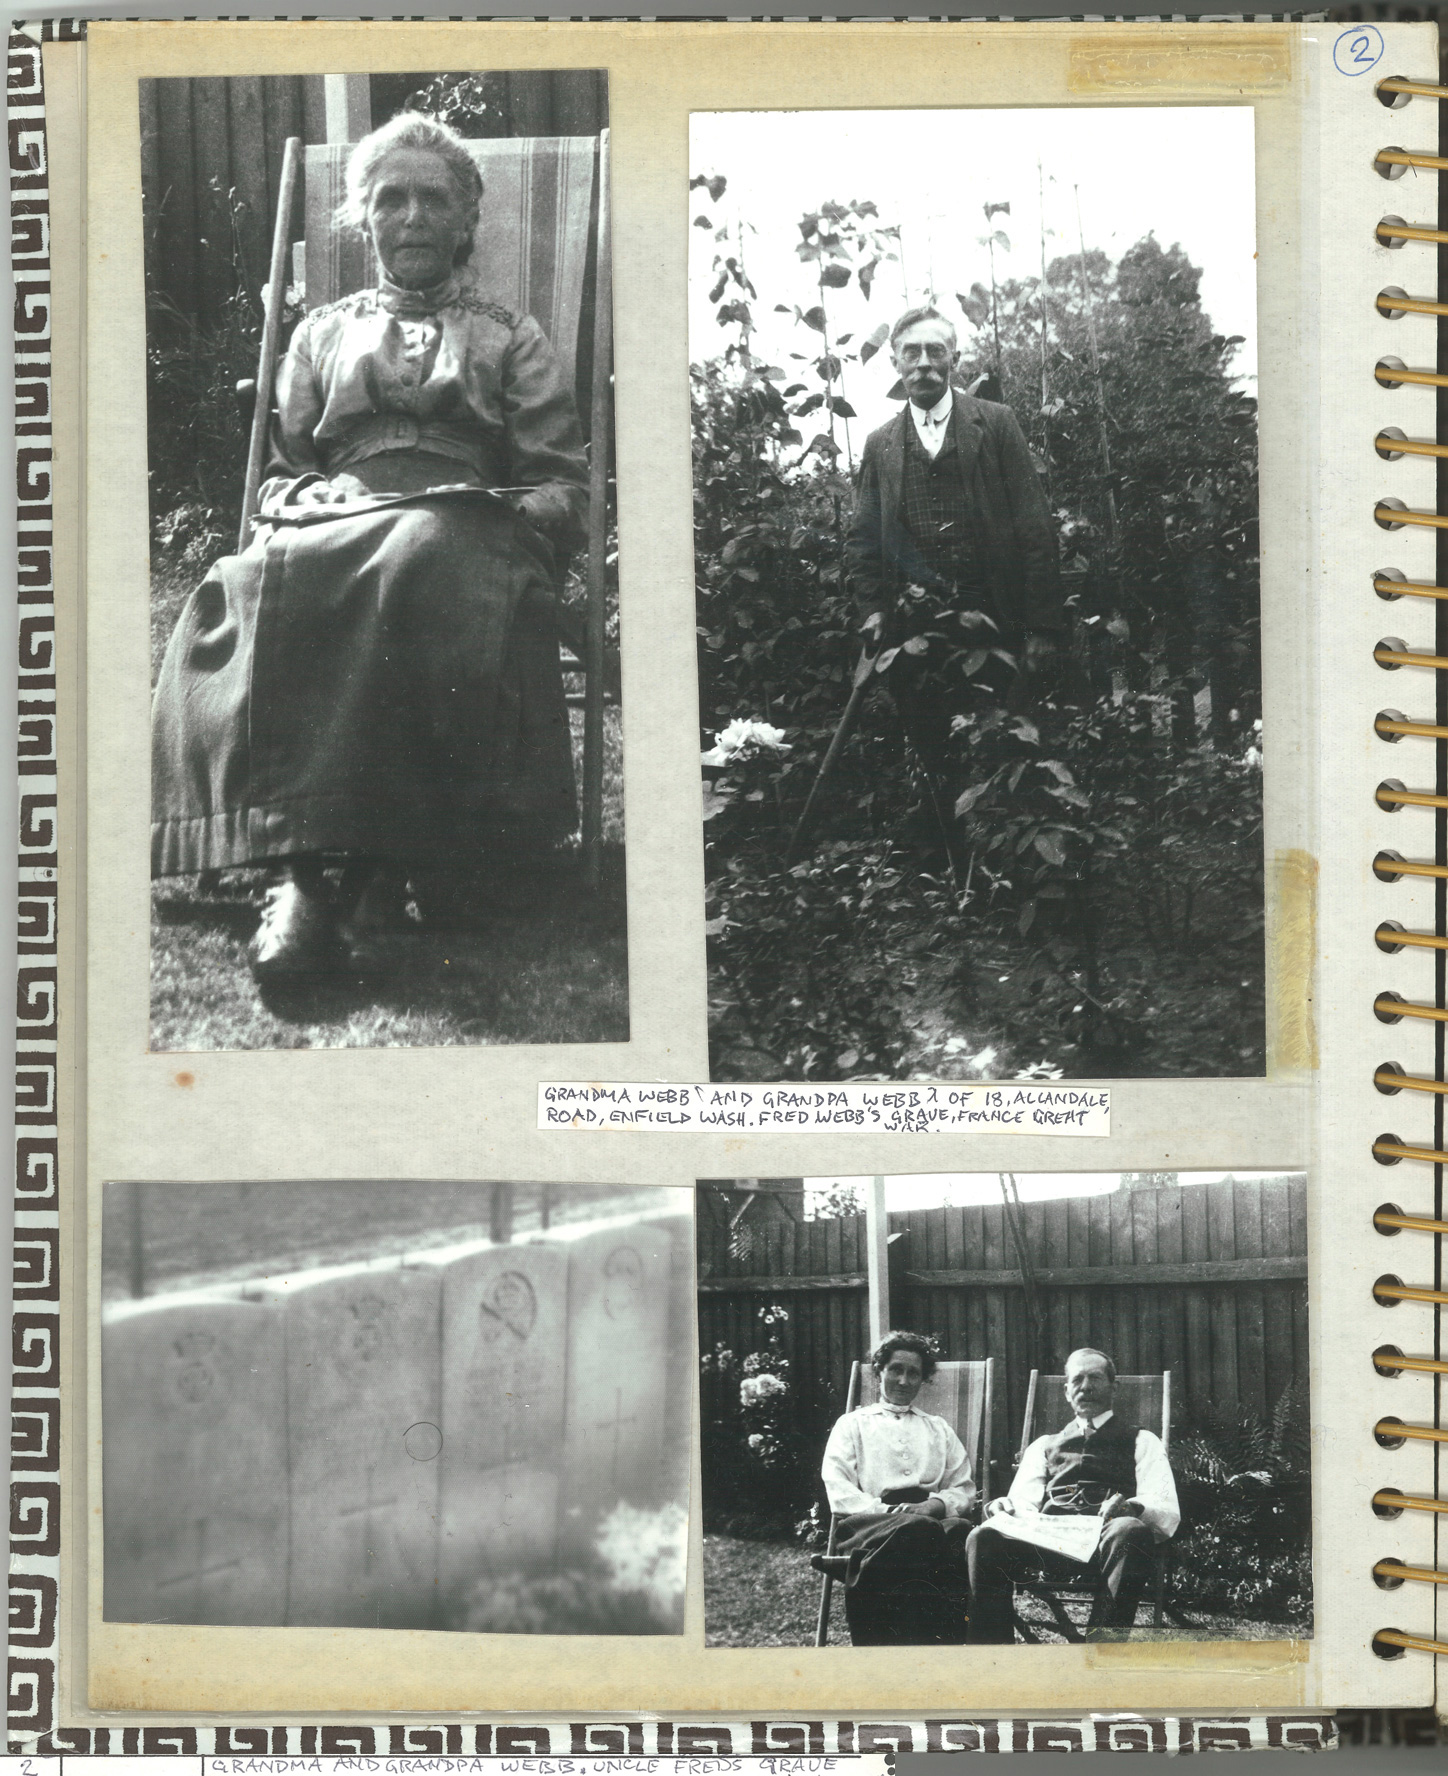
[[545, 219], [960, 1393], [1146, 1401]]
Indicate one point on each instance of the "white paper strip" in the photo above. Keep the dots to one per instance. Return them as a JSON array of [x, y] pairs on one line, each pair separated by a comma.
[[859, 1107]]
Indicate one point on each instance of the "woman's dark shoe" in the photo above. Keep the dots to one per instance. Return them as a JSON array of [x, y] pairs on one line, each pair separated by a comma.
[[297, 938]]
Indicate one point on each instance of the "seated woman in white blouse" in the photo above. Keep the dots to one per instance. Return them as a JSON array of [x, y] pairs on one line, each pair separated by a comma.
[[900, 1482]]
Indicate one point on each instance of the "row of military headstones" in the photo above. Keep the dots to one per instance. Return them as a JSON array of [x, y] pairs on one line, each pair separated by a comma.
[[359, 1450]]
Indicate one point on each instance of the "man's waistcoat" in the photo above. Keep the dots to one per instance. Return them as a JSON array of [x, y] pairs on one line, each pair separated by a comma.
[[1084, 1468], [938, 512]]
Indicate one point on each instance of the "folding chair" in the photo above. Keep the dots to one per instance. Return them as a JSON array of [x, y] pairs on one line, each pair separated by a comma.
[[1144, 1400], [961, 1394], [544, 250]]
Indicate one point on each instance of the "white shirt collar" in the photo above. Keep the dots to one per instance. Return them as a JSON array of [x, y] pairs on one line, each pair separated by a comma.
[[893, 1411], [1094, 1424], [934, 416]]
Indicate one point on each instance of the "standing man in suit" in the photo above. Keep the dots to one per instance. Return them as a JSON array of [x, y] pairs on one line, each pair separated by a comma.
[[952, 552], [1088, 1503]]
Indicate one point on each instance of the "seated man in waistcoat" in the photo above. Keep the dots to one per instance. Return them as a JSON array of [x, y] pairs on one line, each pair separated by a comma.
[[952, 551], [1089, 1502]]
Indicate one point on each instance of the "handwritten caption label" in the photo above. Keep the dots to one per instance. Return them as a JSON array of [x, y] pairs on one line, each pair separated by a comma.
[[857, 1107]]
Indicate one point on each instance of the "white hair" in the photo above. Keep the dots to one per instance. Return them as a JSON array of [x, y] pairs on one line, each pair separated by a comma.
[[409, 129]]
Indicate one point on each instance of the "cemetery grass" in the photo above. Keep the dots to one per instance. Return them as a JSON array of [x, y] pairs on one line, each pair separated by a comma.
[[554, 971], [767, 1594]]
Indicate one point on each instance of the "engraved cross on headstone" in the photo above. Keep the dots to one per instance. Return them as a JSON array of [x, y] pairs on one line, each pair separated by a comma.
[[365, 1510], [201, 1571], [616, 1424]]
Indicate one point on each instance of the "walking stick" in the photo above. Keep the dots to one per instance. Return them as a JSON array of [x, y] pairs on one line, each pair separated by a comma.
[[864, 672], [270, 337]]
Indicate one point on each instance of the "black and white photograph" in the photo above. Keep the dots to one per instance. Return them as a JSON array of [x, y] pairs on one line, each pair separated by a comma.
[[976, 568], [461, 1407], [997, 1409], [387, 778]]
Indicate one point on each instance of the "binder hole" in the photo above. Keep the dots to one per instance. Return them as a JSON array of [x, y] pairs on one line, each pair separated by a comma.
[[1385, 1648], [1390, 644], [1386, 1209], [1392, 101], [1384, 442], [1386, 297], [1391, 366], [1389, 169], [1383, 866], [1383, 1012], [1387, 1280], [1388, 573], [1388, 715], [1388, 1159], [1393, 241], [1388, 1091], [1385, 1439], [1389, 505], [1382, 1363], [1388, 1581], [1381, 1507], [1387, 793]]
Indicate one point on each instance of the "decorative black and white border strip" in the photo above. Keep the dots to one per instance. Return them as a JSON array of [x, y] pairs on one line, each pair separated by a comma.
[[35, 1328], [818, 1738]]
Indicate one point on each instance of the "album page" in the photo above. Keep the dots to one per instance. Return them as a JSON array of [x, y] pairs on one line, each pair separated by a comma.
[[704, 1102]]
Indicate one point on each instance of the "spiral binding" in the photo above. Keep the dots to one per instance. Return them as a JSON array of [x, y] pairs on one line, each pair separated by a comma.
[[1392, 1007]]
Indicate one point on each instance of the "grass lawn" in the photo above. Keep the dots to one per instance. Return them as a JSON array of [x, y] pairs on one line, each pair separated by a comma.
[[766, 1594], [556, 971], [763, 1594]]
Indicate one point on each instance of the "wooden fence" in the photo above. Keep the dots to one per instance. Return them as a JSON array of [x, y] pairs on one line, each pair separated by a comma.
[[211, 156], [1207, 1280]]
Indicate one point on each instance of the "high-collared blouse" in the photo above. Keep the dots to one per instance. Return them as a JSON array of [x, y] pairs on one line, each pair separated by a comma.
[[1155, 1490], [442, 372], [880, 1446]]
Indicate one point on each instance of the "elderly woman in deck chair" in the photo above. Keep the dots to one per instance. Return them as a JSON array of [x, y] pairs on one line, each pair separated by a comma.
[[374, 683], [900, 1482]]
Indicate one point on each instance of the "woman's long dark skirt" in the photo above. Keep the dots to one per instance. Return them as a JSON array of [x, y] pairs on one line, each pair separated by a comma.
[[907, 1583], [382, 685]]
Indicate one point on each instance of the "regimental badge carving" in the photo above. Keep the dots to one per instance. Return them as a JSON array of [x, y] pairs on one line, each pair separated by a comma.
[[509, 1306], [364, 1332], [195, 1377], [623, 1277]]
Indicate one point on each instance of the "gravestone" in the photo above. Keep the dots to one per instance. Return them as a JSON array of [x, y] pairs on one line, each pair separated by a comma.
[[194, 1461], [618, 1361], [504, 1357], [363, 1416]]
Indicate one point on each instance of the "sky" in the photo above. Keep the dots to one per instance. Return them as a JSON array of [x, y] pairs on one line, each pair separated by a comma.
[[1184, 171], [937, 1190]]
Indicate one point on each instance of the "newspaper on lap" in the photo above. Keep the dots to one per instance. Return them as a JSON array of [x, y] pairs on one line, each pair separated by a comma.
[[1075, 1537]]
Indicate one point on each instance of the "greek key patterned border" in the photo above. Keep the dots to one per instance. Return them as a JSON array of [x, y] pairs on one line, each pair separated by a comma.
[[35, 1327], [815, 1738], [35, 1518]]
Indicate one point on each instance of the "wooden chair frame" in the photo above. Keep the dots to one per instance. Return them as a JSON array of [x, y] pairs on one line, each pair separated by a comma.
[[1051, 1591], [584, 640], [979, 1466]]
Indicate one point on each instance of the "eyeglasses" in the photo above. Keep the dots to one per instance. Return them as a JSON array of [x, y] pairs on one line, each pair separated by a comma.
[[935, 352]]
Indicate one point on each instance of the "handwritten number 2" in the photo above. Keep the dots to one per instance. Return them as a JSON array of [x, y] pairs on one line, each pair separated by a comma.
[[1355, 51]]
